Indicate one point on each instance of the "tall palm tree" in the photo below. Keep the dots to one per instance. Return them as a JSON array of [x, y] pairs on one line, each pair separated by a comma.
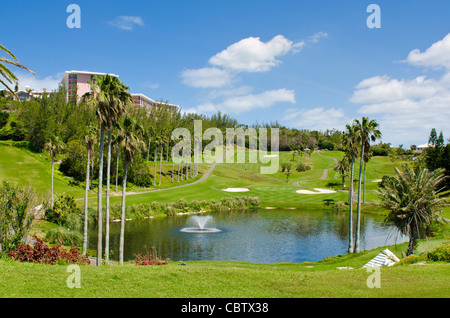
[[90, 140], [411, 196], [53, 145], [366, 132], [6, 73], [351, 149], [131, 141], [111, 97]]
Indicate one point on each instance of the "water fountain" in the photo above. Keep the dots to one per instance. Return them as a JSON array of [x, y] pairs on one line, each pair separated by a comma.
[[201, 222]]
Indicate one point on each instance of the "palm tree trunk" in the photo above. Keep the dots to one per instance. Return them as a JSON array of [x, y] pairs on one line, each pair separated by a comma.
[[122, 220], [108, 181], [117, 169], [350, 201], [358, 211], [364, 184], [179, 169], [92, 170], [53, 165], [148, 150], [412, 239], [99, 204], [86, 203], [156, 160], [160, 160]]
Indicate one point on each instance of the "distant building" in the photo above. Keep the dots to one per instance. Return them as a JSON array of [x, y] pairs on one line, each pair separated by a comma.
[[26, 94], [141, 100], [420, 148], [80, 81]]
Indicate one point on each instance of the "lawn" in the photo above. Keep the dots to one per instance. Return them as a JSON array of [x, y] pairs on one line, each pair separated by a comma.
[[227, 279]]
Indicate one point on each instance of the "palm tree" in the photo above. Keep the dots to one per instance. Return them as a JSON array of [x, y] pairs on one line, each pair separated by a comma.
[[130, 137], [90, 140], [342, 167], [351, 149], [6, 73], [53, 145], [366, 132], [411, 196], [111, 97]]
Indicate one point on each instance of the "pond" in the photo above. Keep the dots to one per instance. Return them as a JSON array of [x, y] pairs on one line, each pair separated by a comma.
[[259, 236]]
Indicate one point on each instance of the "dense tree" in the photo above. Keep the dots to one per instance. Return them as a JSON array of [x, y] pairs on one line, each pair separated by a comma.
[[411, 196]]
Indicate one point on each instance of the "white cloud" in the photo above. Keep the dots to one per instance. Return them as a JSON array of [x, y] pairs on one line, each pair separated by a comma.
[[126, 22], [317, 36], [253, 55], [35, 82], [317, 118], [437, 55], [206, 77], [379, 89], [245, 103], [408, 109]]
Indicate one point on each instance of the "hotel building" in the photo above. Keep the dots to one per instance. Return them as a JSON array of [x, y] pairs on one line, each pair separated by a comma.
[[80, 81]]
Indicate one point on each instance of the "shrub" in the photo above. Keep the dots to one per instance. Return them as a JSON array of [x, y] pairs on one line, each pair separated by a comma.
[[254, 201], [148, 259], [63, 236], [62, 207], [41, 253], [440, 253], [302, 167], [16, 215], [140, 174], [3, 118], [338, 206]]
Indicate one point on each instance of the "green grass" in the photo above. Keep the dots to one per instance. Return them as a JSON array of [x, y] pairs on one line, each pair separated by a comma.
[[226, 279]]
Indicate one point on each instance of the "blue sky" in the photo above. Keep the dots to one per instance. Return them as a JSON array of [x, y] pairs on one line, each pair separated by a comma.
[[306, 64]]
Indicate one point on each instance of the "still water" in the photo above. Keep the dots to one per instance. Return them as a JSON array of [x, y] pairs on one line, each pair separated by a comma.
[[259, 236]]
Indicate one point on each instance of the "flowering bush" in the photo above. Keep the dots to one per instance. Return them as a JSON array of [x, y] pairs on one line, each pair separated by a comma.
[[148, 259], [41, 253]]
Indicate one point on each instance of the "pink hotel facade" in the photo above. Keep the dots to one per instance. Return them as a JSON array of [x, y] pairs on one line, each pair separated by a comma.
[[80, 80]]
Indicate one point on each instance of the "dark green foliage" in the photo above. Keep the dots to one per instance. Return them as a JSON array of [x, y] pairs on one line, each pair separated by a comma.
[[3, 119], [63, 206], [74, 164], [140, 174], [440, 253]]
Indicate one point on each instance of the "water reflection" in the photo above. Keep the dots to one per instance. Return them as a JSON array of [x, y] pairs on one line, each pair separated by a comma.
[[261, 236]]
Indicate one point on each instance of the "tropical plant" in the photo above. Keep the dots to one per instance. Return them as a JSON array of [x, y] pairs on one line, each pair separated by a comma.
[[342, 167], [411, 196], [130, 138], [6, 73], [16, 215], [366, 132], [351, 150], [53, 145], [110, 97], [90, 140]]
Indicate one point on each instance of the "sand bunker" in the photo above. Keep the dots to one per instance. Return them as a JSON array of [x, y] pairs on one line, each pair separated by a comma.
[[378, 180], [270, 156], [236, 190], [317, 191]]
